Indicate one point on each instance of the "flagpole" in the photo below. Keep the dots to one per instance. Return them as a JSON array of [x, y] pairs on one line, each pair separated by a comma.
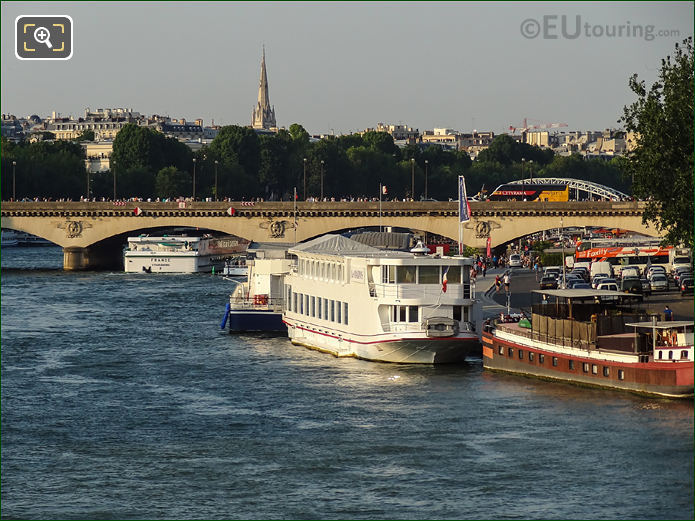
[[459, 223], [295, 215], [380, 189]]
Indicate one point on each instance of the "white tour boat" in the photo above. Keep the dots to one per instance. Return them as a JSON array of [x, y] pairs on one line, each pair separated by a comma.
[[349, 299], [179, 253]]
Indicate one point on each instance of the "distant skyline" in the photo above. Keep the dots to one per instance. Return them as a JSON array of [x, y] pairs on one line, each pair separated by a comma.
[[342, 67]]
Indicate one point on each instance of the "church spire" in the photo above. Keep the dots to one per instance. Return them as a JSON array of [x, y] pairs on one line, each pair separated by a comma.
[[263, 115]]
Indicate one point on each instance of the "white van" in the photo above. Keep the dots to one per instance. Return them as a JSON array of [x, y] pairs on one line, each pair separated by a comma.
[[601, 267], [629, 271], [583, 264], [515, 261]]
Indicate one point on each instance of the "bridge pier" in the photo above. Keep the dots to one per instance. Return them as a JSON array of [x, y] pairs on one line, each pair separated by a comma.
[[93, 257]]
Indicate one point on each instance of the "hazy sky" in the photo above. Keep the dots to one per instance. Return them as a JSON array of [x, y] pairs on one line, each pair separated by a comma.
[[346, 66]]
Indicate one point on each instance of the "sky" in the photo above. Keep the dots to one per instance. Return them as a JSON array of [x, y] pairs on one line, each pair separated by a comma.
[[342, 67]]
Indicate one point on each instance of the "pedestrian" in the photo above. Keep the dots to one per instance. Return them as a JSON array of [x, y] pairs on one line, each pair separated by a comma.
[[668, 314], [484, 269], [506, 282], [498, 283]]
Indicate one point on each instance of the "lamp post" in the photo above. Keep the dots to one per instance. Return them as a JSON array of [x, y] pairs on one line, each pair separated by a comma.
[[114, 179], [426, 164], [321, 180], [194, 161], [87, 185], [304, 192], [14, 193], [412, 178], [216, 162], [523, 180]]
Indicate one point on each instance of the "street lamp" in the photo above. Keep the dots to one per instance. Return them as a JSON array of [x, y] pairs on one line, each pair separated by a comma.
[[112, 167], [194, 161], [14, 194], [523, 180], [216, 162], [87, 185], [412, 178], [304, 193], [321, 180], [426, 163]]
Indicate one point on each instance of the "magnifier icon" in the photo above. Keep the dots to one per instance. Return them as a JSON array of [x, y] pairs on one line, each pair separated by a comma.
[[42, 35]]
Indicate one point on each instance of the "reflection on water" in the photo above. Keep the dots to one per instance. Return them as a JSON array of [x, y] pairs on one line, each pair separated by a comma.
[[121, 398]]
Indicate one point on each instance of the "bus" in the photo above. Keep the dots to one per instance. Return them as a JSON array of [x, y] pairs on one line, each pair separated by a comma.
[[635, 252], [530, 192]]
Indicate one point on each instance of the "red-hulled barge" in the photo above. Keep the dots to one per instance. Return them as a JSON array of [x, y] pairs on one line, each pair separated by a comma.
[[595, 338]]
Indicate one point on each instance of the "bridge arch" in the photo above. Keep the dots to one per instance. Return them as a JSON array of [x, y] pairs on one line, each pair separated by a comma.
[[602, 191]]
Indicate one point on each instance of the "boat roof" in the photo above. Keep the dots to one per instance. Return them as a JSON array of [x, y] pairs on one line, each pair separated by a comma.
[[662, 324], [582, 293], [336, 245]]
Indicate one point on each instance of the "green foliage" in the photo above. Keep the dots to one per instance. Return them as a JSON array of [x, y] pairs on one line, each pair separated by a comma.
[[86, 135], [662, 162], [171, 182]]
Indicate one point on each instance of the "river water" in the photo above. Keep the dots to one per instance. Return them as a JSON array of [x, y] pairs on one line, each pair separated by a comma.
[[122, 399]]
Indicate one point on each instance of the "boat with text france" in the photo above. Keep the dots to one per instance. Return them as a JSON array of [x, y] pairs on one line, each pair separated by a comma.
[[350, 299], [596, 338], [178, 253], [256, 304]]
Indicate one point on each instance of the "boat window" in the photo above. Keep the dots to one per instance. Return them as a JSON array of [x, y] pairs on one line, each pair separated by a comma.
[[530, 357], [585, 367], [332, 310], [594, 369], [392, 274], [541, 358], [294, 303], [521, 354], [670, 355], [384, 274], [412, 314], [337, 311], [301, 304], [684, 355], [555, 361], [571, 365], [345, 312], [325, 309], [500, 350], [406, 274], [510, 351], [606, 371], [621, 374], [466, 291], [401, 313], [661, 355], [453, 276], [318, 311], [313, 306], [429, 275], [457, 312]]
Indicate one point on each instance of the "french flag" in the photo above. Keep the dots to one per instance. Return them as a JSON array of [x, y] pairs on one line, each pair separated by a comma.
[[444, 279]]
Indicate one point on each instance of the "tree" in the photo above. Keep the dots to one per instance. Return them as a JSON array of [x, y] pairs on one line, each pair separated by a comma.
[[85, 135], [171, 182], [662, 162]]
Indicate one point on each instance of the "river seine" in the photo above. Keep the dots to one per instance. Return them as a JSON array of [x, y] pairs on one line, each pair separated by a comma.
[[122, 399]]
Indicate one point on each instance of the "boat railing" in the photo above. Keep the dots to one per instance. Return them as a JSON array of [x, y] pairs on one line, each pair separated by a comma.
[[420, 291], [537, 336], [255, 303]]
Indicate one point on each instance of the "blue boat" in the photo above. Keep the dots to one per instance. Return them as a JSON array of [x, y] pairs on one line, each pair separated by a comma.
[[256, 304]]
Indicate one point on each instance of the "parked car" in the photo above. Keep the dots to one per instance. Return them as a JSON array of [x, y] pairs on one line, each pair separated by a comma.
[[629, 271], [582, 285], [556, 271], [646, 287], [631, 285], [610, 286], [686, 286], [682, 273], [548, 282], [597, 279], [582, 272], [653, 269], [659, 283], [515, 261]]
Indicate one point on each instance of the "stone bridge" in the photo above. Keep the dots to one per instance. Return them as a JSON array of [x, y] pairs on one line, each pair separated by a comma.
[[92, 234]]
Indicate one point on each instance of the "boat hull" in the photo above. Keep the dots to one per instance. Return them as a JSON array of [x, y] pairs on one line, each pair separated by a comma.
[[415, 350], [671, 380], [256, 321]]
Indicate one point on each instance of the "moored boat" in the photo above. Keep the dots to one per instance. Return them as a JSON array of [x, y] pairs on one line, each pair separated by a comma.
[[256, 304], [594, 338], [349, 299]]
